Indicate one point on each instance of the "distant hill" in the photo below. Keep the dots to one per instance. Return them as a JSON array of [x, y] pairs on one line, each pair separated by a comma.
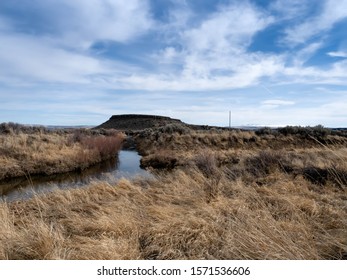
[[138, 122]]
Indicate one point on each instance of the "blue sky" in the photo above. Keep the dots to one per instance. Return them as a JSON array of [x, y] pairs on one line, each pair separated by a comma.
[[78, 62]]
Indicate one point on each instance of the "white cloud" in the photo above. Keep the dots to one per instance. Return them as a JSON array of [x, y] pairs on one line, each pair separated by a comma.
[[26, 60], [116, 20], [249, 72], [336, 74], [79, 23], [301, 56], [169, 55], [229, 29], [290, 9], [332, 12], [278, 102], [60, 56], [213, 54], [179, 15], [338, 54]]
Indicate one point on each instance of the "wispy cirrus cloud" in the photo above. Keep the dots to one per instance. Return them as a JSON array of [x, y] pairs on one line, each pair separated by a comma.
[[26, 60], [286, 10], [54, 48], [278, 102], [332, 12], [338, 54], [80, 23]]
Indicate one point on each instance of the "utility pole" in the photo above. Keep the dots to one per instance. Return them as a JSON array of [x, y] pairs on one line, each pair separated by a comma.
[[229, 120]]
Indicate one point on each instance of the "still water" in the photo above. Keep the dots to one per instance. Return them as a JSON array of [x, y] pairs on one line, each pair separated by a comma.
[[125, 165]]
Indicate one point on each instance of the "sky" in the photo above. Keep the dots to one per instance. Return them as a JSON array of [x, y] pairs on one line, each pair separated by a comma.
[[271, 63]]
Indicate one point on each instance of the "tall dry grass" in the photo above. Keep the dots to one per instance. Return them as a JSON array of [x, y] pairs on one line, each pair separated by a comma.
[[182, 139], [229, 195], [181, 215], [23, 153]]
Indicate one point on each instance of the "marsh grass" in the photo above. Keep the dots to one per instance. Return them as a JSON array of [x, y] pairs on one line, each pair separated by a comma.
[[24, 153], [176, 217], [230, 195]]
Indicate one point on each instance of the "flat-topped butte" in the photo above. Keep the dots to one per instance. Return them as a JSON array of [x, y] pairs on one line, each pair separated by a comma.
[[137, 122]]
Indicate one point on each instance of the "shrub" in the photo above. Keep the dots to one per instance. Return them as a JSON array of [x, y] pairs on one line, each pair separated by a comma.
[[264, 131], [264, 163], [5, 128], [206, 163], [161, 160], [107, 146], [172, 128], [11, 127], [338, 177], [321, 131], [77, 137], [315, 175], [318, 131]]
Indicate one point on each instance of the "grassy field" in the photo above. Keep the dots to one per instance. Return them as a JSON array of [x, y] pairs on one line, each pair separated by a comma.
[[25, 151], [218, 195]]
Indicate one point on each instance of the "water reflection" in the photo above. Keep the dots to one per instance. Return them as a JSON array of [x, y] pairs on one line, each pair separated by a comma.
[[125, 164]]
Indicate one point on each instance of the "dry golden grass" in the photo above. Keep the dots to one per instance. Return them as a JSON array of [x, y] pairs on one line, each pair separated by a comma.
[[44, 152], [181, 215], [150, 141], [228, 197]]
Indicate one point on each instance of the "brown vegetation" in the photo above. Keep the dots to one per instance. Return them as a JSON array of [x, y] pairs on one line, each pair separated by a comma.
[[180, 138], [25, 151], [229, 195], [186, 214]]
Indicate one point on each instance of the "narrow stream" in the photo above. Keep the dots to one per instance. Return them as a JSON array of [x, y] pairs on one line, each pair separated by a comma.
[[126, 164]]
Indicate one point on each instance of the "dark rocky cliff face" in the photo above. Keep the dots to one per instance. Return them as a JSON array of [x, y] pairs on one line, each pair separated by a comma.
[[137, 122]]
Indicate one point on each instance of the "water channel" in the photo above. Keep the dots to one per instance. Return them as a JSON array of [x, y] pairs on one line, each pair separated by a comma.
[[125, 165]]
